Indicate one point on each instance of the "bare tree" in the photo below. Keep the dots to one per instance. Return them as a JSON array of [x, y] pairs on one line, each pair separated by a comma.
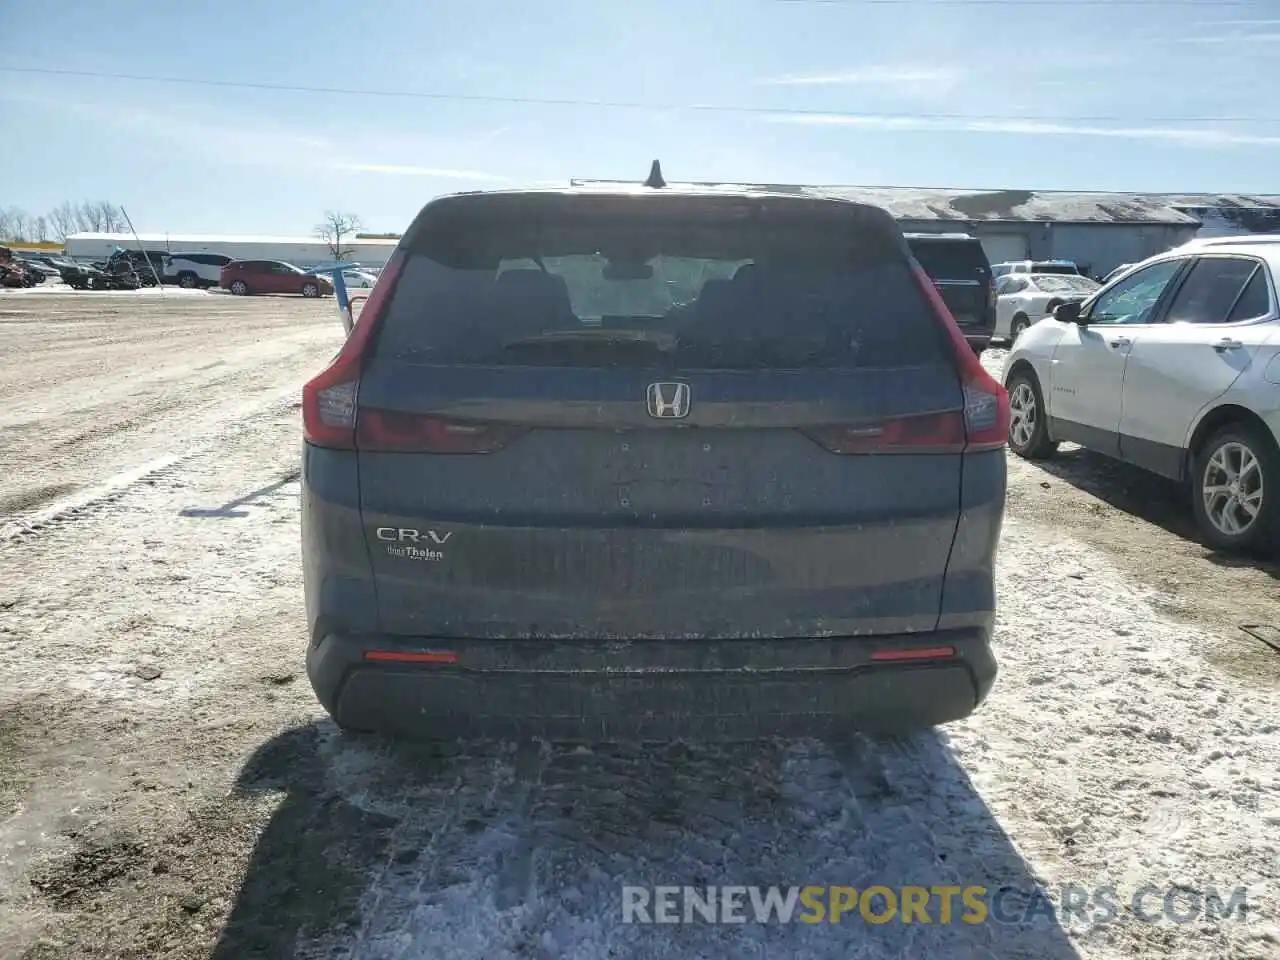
[[334, 229], [15, 224], [65, 220], [91, 218], [112, 215], [101, 216], [97, 216]]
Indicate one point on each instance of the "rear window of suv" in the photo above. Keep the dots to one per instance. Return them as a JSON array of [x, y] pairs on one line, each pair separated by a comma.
[[951, 259], [702, 283]]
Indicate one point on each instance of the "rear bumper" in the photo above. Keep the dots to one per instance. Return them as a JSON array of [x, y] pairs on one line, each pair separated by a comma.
[[601, 690], [979, 341]]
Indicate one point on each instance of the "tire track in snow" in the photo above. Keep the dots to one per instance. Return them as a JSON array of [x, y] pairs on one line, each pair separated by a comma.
[[101, 497]]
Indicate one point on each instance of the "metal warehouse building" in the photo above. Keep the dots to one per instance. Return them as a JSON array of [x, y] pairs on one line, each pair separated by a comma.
[[1099, 231]]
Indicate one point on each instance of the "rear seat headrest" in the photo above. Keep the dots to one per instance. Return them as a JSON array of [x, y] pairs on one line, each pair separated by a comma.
[[531, 301], [531, 282]]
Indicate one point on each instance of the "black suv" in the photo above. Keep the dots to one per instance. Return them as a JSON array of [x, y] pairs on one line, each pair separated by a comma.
[[650, 463], [959, 268]]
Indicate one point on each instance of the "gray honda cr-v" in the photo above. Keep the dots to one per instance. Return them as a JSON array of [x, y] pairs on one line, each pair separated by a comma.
[[648, 462]]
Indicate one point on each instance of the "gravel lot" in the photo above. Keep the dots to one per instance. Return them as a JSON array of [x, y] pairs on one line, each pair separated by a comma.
[[169, 789]]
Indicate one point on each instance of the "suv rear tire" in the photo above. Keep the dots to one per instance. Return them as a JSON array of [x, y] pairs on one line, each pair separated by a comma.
[[311, 290], [239, 288], [1020, 323], [1243, 461], [188, 280], [1028, 426]]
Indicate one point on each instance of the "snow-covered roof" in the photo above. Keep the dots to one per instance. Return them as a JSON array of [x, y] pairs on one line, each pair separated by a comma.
[[943, 203], [177, 238]]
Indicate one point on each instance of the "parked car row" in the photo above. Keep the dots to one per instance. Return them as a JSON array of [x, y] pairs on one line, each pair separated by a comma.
[[253, 276], [26, 271], [994, 301], [130, 269]]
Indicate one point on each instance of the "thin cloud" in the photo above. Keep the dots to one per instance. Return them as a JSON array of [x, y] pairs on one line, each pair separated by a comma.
[[1184, 135], [258, 142], [869, 76], [1233, 38], [410, 170], [248, 141], [1238, 23]]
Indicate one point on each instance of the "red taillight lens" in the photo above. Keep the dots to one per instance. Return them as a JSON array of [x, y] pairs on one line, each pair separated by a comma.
[[411, 656], [392, 431], [930, 433], [986, 402], [899, 655], [329, 400]]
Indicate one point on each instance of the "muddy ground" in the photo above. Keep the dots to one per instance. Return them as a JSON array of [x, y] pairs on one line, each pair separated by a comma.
[[169, 788]]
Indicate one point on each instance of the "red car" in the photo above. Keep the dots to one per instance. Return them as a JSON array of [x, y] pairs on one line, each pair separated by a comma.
[[245, 277]]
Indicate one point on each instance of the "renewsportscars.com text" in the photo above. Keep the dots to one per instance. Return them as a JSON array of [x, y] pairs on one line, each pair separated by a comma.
[[942, 904]]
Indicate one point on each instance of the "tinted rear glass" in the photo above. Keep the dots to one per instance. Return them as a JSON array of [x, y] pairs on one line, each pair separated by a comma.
[[951, 259], [1059, 268], [720, 283]]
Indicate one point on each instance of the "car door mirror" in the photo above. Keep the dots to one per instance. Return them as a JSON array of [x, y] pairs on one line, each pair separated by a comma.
[[1069, 312]]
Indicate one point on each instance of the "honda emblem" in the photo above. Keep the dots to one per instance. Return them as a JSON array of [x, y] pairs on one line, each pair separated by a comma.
[[668, 401]]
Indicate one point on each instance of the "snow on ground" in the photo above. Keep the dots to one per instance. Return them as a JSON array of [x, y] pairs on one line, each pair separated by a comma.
[[64, 290], [1109, 755], [172, 788]]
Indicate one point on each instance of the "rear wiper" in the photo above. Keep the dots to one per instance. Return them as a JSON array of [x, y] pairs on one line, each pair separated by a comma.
[[660, 341]]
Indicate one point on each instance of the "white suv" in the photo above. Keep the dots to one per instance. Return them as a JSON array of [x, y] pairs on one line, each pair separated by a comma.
[[192, 270], [1173, 366]]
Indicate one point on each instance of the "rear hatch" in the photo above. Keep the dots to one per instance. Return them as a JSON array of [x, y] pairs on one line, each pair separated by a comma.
[[692, 416], [961, 272]]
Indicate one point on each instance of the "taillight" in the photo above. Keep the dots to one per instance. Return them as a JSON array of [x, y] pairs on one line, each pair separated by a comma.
[[329, 400], [986, 402], [393, 431], [929, 433]]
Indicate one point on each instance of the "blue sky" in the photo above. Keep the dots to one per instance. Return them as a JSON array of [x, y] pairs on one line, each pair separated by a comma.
[[882, 93]]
